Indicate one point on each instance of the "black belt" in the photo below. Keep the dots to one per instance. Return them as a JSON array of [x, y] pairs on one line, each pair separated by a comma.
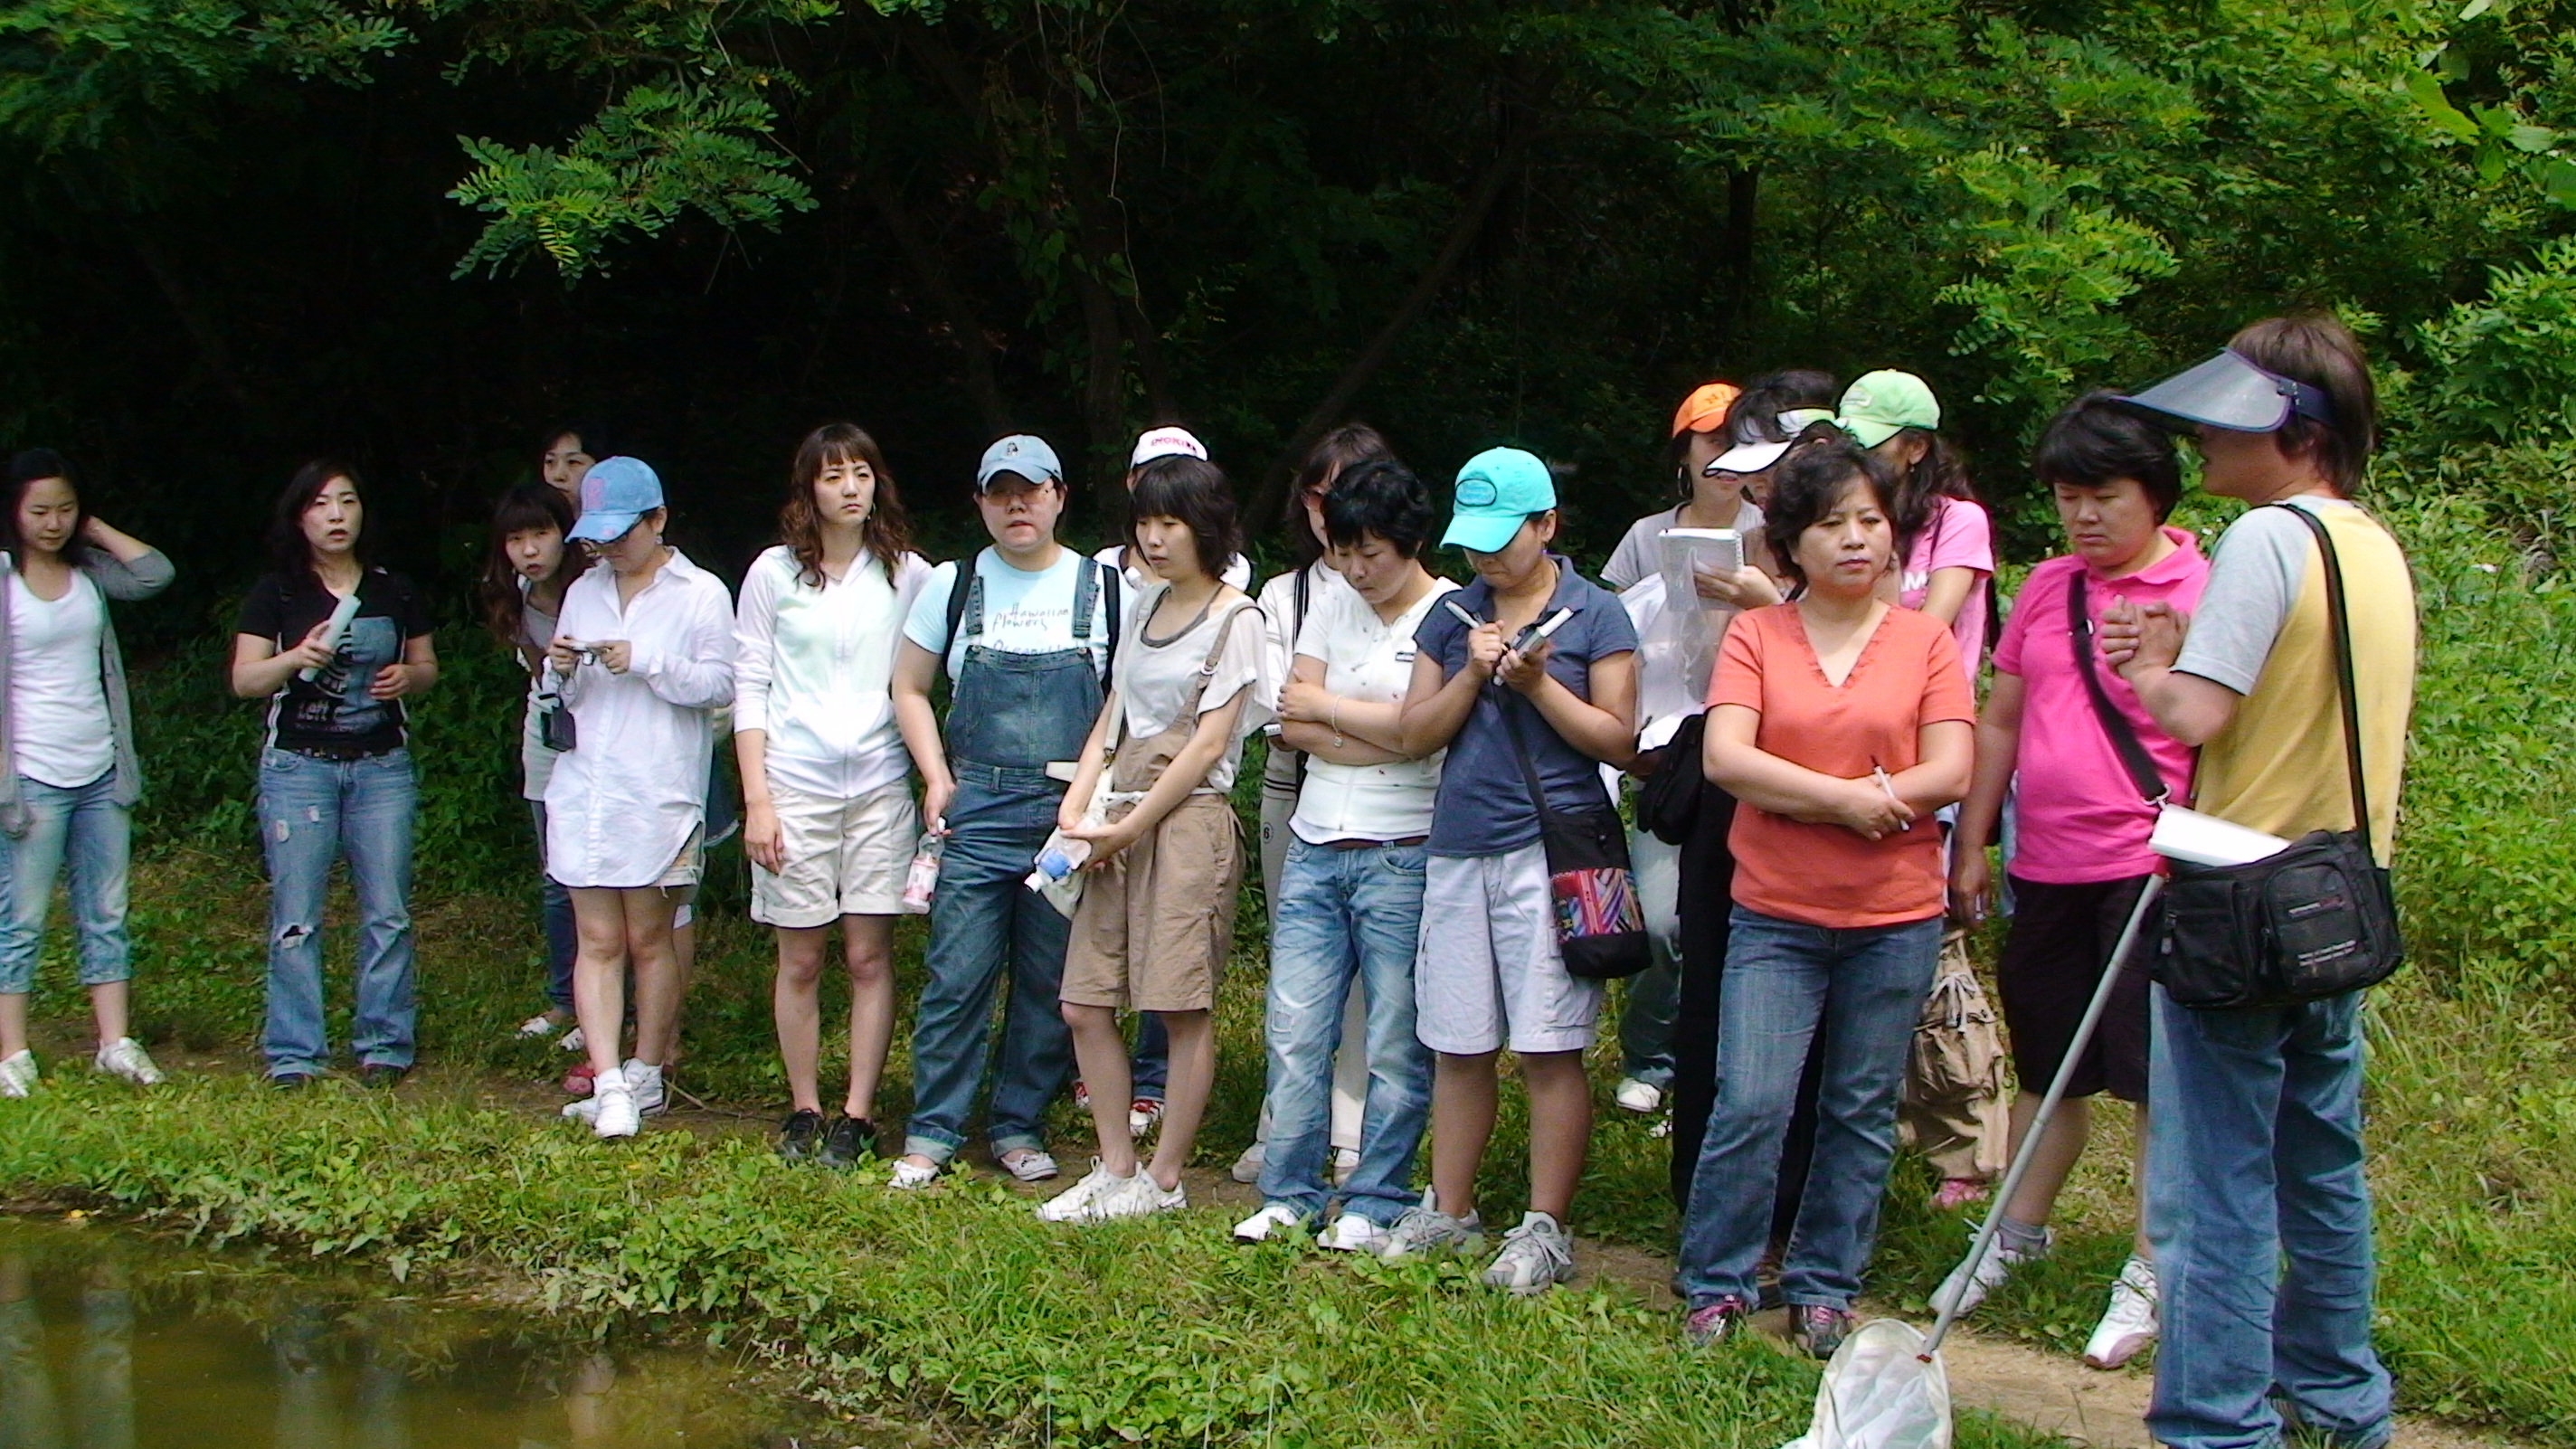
[[338, 754], [1376, 844]]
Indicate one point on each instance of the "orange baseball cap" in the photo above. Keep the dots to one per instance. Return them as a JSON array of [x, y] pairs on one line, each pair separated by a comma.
[[1705, 408]]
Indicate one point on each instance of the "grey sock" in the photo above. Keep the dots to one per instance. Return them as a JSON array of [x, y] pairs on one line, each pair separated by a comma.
[[2023, 1238]]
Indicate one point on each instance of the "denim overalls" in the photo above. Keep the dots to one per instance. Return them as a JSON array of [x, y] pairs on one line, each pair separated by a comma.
[[1009, 715]]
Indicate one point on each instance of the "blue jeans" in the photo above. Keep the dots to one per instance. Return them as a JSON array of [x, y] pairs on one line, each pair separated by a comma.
[[982, 921], [1784, 983], [554, 907], [312, 812], [87, 830], [1654, 994], [1345, 916], [2254, 1163]]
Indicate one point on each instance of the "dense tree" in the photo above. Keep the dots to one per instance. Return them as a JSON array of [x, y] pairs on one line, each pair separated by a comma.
[[411, 230]]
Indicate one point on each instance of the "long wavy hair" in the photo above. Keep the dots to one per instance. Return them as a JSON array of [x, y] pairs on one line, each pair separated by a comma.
[[886, 534], [524, 508]]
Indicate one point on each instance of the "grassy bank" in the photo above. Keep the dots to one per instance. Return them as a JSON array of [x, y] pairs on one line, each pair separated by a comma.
[[958, 1302]]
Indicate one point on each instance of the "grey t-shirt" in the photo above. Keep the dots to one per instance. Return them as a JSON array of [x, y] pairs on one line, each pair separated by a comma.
[[1636, 556], [2254, 580]]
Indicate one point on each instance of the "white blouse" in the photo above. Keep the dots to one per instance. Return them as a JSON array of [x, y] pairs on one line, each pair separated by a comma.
[[1368, 659], [627, 796], [814, 667]]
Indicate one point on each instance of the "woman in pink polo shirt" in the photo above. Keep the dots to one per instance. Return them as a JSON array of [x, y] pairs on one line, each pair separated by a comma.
[[2084, 813]]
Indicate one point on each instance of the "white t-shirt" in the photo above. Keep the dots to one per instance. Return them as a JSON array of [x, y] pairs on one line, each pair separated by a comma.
[[1237, 572], [813, 670], [1156, 678], [57, 702], [1365, 658], [1024, 612]]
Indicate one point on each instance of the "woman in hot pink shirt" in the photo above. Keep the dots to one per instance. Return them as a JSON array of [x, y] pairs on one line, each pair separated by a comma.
[[2084, 815]]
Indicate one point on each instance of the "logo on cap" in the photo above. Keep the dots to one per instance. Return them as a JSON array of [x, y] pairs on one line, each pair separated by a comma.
[[1476, 493]]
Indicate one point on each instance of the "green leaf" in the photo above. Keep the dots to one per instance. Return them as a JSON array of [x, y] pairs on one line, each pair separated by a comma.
[[2437, 107]]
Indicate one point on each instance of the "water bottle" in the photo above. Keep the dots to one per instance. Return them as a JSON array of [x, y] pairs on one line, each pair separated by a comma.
[[923, 877]]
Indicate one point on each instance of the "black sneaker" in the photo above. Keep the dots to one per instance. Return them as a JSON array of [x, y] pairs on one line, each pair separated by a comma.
[[800, 1134], [291, 1081], [849, 1142], [381, 1076], [1819, 1329]]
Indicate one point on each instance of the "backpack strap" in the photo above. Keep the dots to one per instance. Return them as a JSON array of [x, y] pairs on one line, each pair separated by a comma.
[[2143, 774], [1109, 581], [2341, 625], [965, 602]]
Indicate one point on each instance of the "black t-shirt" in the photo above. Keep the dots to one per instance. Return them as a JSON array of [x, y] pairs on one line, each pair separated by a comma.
[[333, 710]]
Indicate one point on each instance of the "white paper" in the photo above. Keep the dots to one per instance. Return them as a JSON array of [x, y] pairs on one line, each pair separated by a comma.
[[2197, 839], [1685, 551]]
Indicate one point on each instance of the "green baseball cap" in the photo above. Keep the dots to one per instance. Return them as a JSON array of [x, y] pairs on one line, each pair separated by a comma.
[[1879, 405], [1496, 490]]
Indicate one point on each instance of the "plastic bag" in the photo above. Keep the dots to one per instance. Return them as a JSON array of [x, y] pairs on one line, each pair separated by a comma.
[[1879, 1392]]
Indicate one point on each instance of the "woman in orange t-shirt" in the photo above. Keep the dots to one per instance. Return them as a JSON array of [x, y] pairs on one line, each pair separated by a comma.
[[1840, 724]]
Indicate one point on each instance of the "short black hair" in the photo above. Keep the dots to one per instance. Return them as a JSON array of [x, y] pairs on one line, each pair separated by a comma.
[[1194, 491], [1810, 480], [1383, 497], [2093, 442]]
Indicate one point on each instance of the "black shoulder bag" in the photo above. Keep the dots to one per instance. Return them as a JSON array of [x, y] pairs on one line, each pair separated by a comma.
[[1668, 799], [2313, 921], [2143, 774], [1592, 894]]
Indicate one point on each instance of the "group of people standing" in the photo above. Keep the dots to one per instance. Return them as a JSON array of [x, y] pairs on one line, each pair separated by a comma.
[[1817, 790]]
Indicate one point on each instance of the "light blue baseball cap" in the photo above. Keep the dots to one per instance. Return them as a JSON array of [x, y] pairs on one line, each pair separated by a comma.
[[615, 493], [1025, 454], [1496, 490]]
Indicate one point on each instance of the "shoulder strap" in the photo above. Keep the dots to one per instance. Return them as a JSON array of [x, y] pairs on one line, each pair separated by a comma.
[[965, 589], [2143, 774], [1109, 581], [2341, 623], [1521, 756]]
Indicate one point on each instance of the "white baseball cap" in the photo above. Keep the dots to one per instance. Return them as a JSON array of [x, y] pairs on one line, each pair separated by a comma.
[[1165, 443]]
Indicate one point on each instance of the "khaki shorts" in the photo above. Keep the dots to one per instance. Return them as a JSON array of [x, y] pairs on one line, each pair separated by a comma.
[[688, 865], [843, 857], [1154, 927]]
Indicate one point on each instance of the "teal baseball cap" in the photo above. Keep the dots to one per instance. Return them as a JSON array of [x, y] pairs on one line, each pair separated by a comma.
[[1496, 490]]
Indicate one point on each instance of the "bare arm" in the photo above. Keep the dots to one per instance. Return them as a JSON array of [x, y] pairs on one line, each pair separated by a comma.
[[1086, 772], [1603, 727], [1765, 781], [260, 669], [1945, 753], [2142, 643], [1437, 706], [1310, 719], [915, 670], [414, 675], [1948, 592]]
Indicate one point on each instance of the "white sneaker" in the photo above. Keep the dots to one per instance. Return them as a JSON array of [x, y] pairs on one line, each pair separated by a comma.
[[1346, 1160], [1028, 1164], [1969, 1283], [1351, 1233], [1536, 1256], [1426, 1229], [646, 1082], [1139, 1196], [909, 1174], [586, 1109], [1638, 1097], [125, 1057], [17, 1074], [539, 1025], [573, 1040], [1247, 1168], [1074, 1204], [2129, 1324], [1275, 1218], [617, 1115]]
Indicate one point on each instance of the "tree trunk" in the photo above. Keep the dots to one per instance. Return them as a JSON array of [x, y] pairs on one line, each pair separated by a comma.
[[1329, 412], [1736, 257], [930, 269]]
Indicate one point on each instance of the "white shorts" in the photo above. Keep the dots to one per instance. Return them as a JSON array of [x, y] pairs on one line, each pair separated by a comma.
[[1487, 974], [843, 857]]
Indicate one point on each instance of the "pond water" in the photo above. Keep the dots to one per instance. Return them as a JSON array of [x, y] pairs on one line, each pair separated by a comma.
[[111, 1341]]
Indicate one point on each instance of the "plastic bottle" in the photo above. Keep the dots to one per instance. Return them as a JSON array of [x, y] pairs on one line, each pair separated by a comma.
[[923, 876]]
